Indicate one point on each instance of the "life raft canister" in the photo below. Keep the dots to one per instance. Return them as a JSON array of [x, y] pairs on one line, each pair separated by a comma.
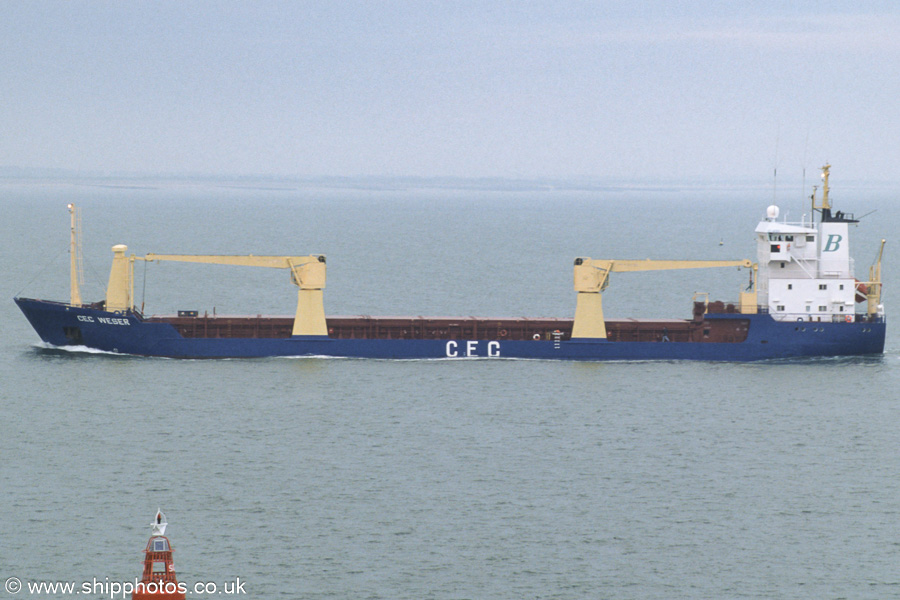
[[862, 291]]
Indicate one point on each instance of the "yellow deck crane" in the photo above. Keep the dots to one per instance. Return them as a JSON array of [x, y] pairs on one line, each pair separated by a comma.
[[592, 277], [307, 273], [873, 292]]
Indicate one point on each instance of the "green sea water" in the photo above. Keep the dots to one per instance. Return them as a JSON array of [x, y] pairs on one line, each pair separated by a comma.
[[318, 478]]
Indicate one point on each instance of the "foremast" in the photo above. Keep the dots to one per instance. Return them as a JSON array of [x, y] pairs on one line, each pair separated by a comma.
[[76, 274]]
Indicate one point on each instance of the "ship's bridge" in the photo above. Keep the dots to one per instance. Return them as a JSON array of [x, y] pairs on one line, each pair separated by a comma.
[[784, 228], [805, 269], [785, 242]]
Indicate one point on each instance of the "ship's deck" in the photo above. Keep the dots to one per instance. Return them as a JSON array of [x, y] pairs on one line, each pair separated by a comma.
[[458, 328]]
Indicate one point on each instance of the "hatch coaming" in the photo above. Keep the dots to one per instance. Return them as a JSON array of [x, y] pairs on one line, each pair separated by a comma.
[[470, 328]]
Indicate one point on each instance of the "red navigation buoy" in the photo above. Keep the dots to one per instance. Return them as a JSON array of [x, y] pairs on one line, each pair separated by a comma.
[[158, 581]]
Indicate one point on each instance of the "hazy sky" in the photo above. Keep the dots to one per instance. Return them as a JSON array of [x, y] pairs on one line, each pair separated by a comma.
[[627, 90]]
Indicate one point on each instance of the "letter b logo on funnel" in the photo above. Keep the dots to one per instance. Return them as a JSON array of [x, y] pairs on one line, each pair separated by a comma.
[[833, 243]]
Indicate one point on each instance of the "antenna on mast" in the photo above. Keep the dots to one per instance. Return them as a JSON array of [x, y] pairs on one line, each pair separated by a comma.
[[775, 166], [803, 186], [774, 184], [805, 148]]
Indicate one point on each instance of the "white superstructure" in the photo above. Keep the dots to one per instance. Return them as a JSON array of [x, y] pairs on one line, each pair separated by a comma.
[[805, 269]]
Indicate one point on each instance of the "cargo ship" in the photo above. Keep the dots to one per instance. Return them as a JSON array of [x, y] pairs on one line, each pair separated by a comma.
[[801, 301]]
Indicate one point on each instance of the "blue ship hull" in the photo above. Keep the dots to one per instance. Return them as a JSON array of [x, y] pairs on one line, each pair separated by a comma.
[[60, 324]]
